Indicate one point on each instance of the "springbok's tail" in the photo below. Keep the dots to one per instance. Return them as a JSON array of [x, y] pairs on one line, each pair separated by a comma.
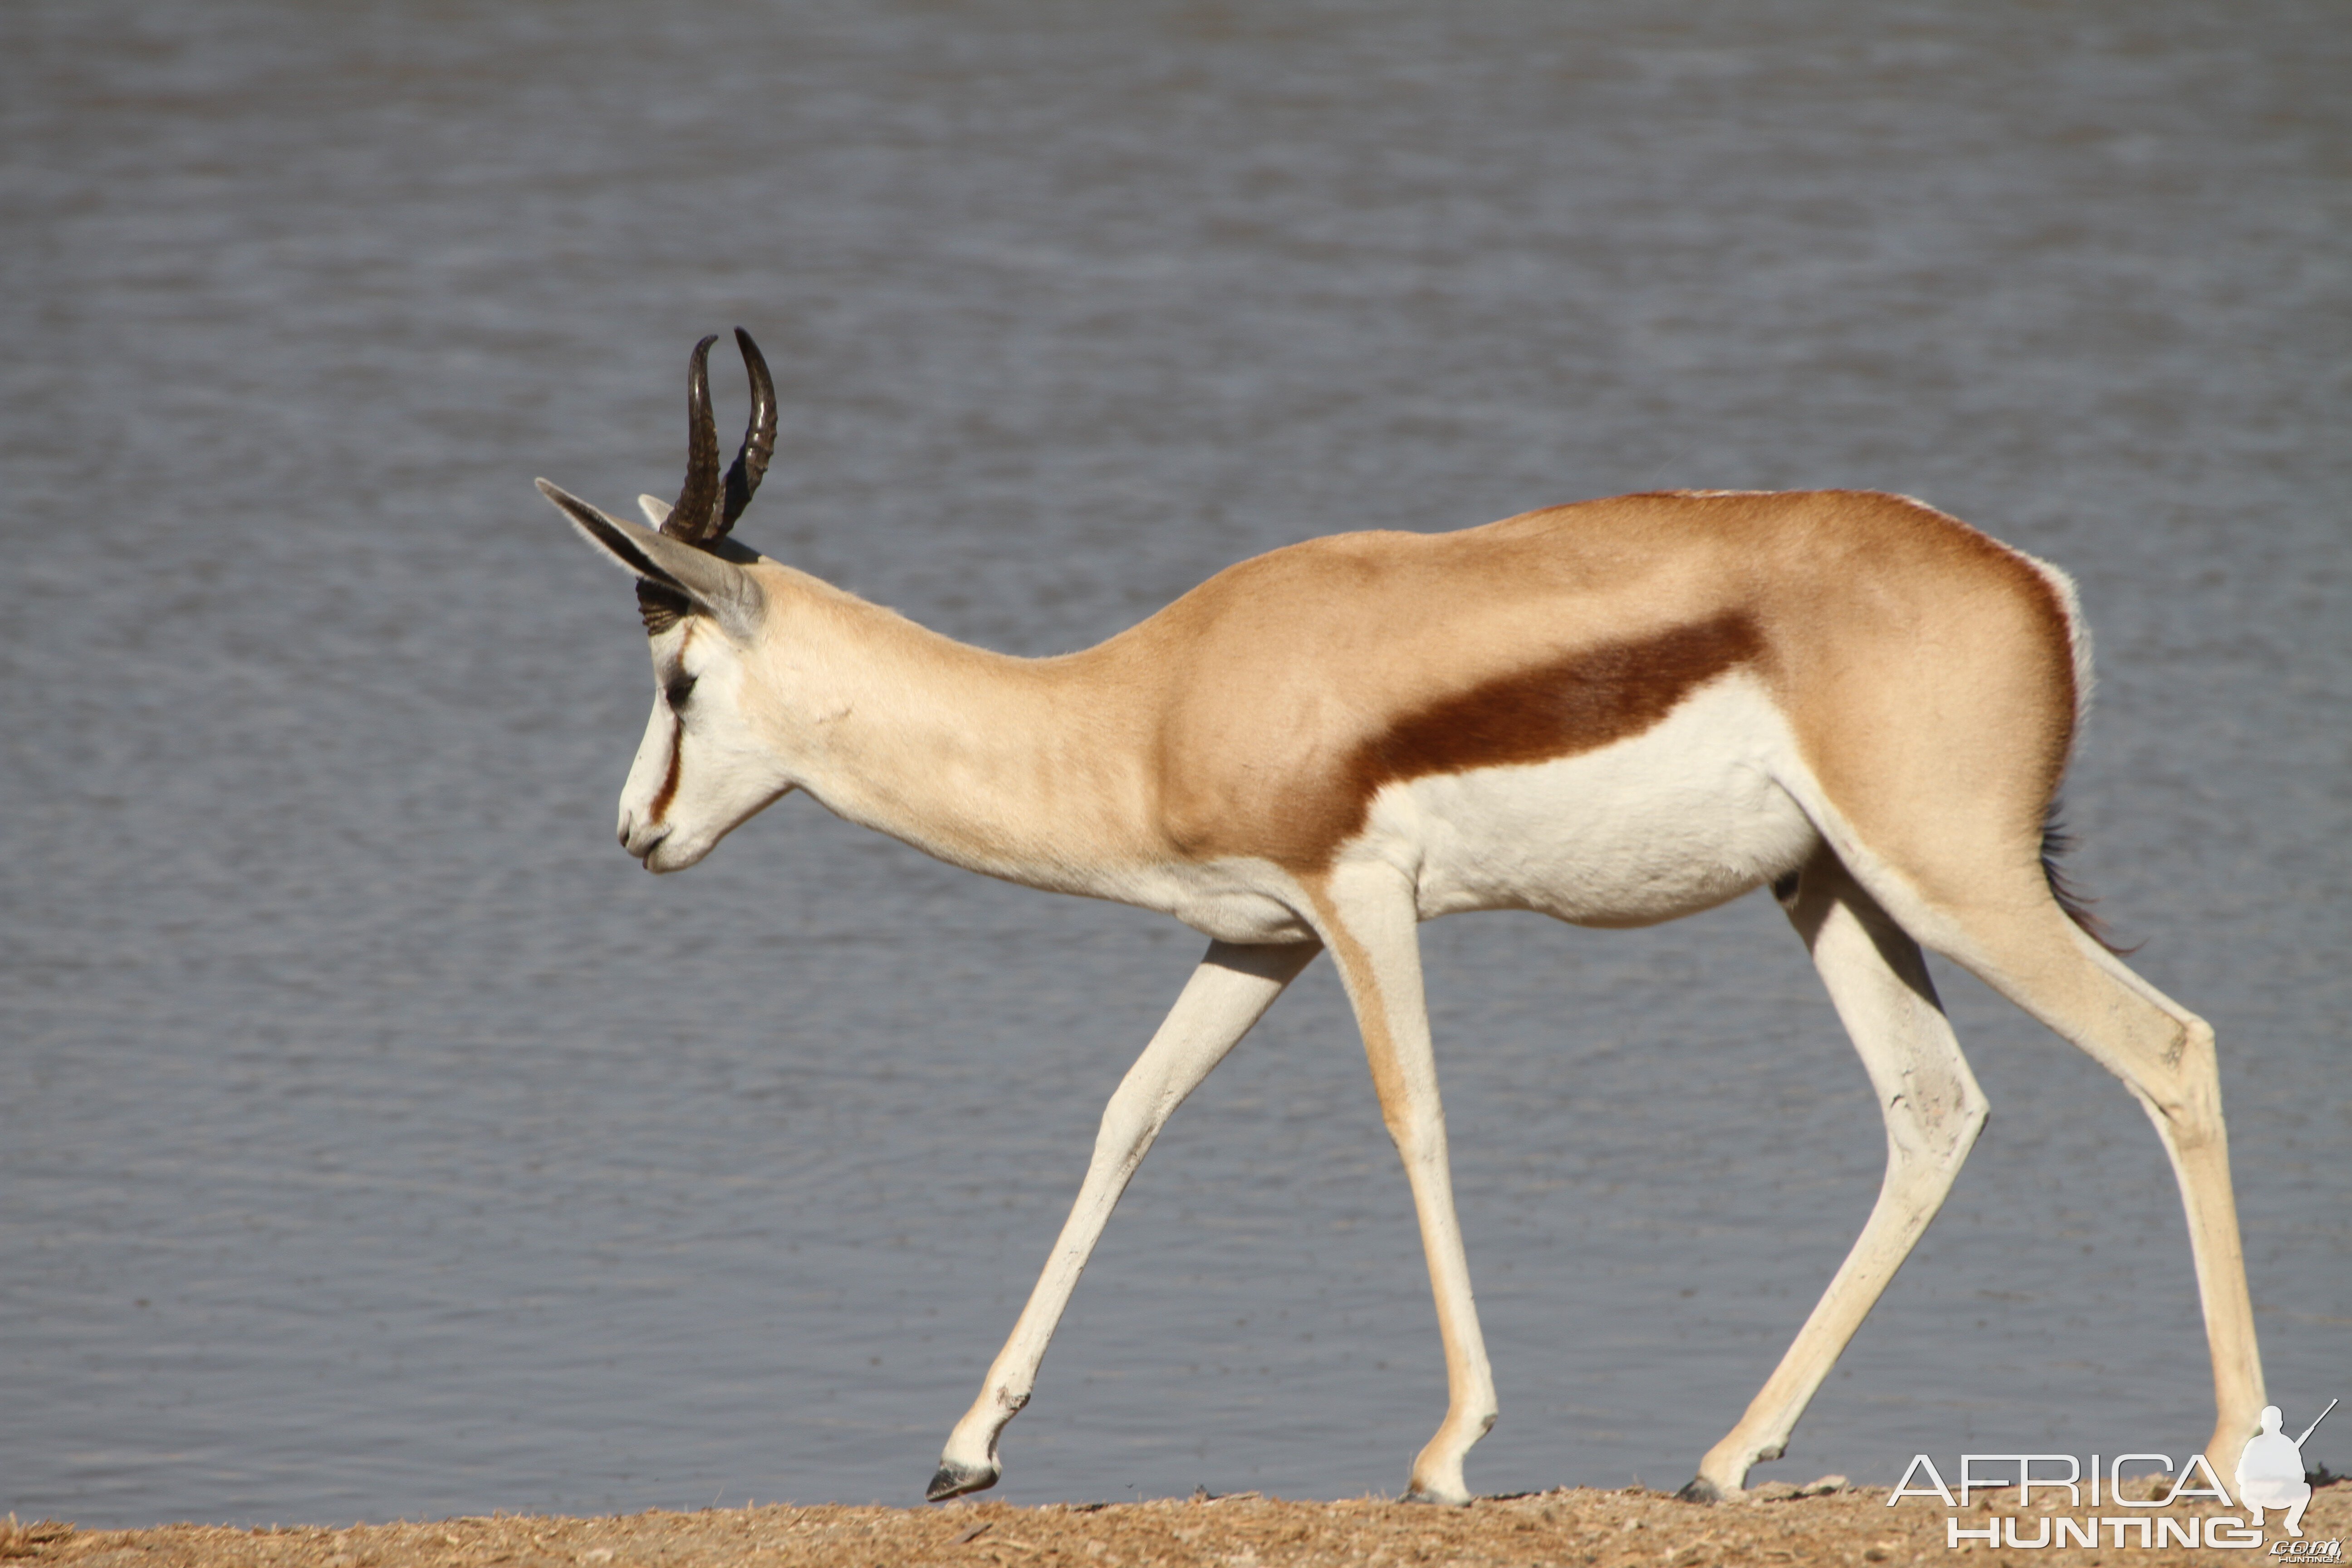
[[2055, 842]]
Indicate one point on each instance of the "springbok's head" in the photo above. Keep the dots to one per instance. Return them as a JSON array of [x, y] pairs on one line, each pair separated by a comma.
[[702, 767]]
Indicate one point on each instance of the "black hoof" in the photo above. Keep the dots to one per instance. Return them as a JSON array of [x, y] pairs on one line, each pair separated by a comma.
[[1700, 1490], [954, 1480]]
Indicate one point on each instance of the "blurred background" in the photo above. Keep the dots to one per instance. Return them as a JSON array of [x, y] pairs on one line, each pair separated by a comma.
[[377, 1140]]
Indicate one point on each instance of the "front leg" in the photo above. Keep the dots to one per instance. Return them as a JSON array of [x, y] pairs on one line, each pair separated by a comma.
[[1368, 916], [1229, 992]]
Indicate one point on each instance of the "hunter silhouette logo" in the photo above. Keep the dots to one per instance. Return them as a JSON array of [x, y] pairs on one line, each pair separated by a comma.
[[2271, 1474], [2270, 1477]]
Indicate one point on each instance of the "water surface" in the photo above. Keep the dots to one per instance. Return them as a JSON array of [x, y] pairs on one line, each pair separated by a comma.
[[376, 1139]]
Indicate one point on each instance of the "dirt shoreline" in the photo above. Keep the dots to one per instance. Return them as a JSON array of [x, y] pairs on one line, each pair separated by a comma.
[[1605, 1529]]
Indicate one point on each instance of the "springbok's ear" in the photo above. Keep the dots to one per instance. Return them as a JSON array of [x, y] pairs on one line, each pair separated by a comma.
[[657, 509], [720, 589]]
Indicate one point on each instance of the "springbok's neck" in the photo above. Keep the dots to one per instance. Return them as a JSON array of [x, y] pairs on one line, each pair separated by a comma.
[[1025, 769]]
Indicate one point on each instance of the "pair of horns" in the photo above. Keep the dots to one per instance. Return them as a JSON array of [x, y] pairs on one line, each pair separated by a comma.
[[707, 507]]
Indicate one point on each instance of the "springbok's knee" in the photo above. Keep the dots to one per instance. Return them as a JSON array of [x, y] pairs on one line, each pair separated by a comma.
[[1417, 1130], [1935, 1125], [2198, 1046], [2182, 1090], [1126, 1128]]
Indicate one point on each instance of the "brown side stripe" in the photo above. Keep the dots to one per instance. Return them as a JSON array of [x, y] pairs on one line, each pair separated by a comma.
[[1589, 699], [1580, 704]]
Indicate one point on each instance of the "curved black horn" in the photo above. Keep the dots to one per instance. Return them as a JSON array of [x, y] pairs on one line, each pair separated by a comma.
[[758, 436], [690, 518]]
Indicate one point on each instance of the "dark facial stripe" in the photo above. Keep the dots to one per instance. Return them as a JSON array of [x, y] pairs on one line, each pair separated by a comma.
[[668, 791]]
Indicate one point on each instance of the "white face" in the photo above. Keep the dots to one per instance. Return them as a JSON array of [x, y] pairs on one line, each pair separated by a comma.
[[701, 768]]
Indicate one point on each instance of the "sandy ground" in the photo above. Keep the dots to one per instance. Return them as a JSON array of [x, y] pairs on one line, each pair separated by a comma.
[[1612, 1529]]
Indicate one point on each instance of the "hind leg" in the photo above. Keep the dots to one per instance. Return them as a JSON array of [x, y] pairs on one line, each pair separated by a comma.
[[2002, 924], [1879, 985]]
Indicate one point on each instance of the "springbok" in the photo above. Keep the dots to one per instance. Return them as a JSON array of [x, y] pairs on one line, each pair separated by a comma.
[[1613, 713]]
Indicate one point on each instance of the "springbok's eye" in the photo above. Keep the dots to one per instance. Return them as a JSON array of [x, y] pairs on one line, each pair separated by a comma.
[[678, 691]]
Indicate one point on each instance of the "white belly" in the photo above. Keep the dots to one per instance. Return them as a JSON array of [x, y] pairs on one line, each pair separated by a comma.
[[1678, 819]]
